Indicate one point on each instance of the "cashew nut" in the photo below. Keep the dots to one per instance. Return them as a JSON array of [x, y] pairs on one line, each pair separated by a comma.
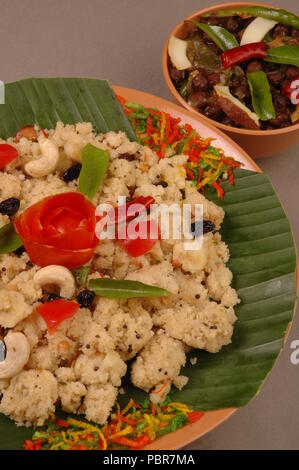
[[57, 275], [17, 354], [47, 163]]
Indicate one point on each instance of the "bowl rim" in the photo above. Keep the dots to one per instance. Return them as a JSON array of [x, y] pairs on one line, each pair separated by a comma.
[[178, 97]]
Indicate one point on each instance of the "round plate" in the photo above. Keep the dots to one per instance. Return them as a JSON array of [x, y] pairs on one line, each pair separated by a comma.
[[211, 419]]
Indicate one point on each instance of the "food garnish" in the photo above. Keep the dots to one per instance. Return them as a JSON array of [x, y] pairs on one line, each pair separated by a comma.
[[235, 108], [275, 14], [177, 50], [140, 245], [27, 132], [207, 165], [85, 298], [269, 43], [60, 228], [257, 30], [81, 275], [239, 54], [9, 240], [223, 38], [283, 55], [94, 165], [261, 95], [133, 428], [8, 153], [10, 206], [72, 173], [124, 289], [56, 311]]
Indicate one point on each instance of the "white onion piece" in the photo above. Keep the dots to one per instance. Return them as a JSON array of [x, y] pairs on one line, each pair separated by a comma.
[[177, 50], [257, 30]]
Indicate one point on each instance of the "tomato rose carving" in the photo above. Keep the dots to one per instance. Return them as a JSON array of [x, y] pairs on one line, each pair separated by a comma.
[[59, 230]]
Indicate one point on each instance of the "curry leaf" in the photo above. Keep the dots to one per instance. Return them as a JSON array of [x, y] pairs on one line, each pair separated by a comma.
[[9, 240], [81, 275], [261, 95], [124, 289], [221, 37], [94, 165], [284, 55]]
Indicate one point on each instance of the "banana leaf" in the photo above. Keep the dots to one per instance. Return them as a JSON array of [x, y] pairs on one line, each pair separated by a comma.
[[256, 229], [44, 101]]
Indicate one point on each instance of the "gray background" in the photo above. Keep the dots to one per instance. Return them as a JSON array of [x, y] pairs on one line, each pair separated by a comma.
[[122, 40]]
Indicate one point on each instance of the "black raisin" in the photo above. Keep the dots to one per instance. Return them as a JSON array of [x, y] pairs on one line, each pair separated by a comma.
[[183, 193], [2, 351], [162, 183], [10, 206], [207, 226], [85, 298], [53, 296], [127, 156], [72, 173], [19, 251]]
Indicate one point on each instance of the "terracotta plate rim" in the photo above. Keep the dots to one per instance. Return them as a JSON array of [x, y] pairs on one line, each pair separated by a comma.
[[211, 419]]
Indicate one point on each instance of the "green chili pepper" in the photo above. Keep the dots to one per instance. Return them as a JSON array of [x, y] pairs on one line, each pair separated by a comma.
[[9, 240], [124, 289], [284, 55], [275, 14], [221, 37], [261, 95]]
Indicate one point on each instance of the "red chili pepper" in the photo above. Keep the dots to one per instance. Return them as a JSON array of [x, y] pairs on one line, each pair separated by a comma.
[[56, 311], [153, 409], [220, 192], [195, 416], [138, 407], [61, 423], [138, 444], [45, 133], [131, 422], [32, 445], [8, 153], [256, 50]]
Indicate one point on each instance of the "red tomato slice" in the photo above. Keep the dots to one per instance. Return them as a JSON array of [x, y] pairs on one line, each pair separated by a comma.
[[56, 311], [126, 212], [140, 246], [59, 229], [43, 255], [8, 153]]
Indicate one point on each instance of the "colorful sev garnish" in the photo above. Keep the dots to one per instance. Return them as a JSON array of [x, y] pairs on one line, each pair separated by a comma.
[[134, 427], [206, 166]]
